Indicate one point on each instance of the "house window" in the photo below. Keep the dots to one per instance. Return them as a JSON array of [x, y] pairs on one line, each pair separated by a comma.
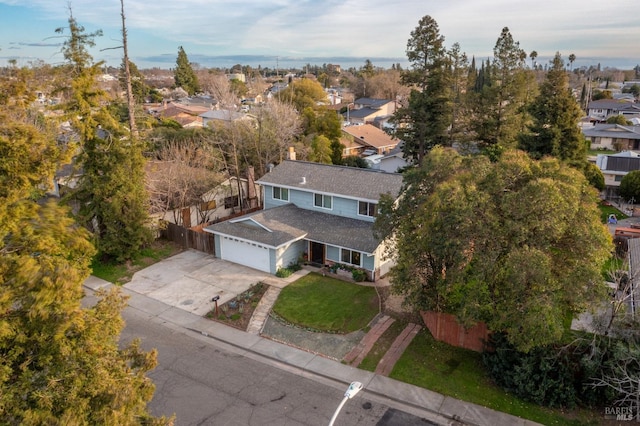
[[280, 194], [367, 209], [320, 200], [231, 202], [618, 178], [350, 256], [208, 205]]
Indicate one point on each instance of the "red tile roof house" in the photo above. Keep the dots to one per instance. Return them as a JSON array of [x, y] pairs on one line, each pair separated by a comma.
[[322, 211]]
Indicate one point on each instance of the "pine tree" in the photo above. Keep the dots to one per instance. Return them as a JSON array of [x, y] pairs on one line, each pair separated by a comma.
[[423, 123], [184, 75], [554, 130], [111, 195], [499, 107]]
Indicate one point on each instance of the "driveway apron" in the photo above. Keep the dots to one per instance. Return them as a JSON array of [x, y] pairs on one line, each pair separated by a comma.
[[190, 279]]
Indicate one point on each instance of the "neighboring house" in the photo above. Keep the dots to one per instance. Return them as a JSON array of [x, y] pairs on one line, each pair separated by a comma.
[[602, 109], [372, 140], [320, 211], [228, 198], [613, 136], [390, 163], [221, 116], [368, 110], [614, 167], [186, 115], [237, 76]]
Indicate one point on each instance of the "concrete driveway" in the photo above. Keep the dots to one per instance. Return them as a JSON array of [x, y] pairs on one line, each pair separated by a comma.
[[191, 278]]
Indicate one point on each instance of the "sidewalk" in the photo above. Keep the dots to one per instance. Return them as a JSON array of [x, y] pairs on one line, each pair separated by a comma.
[[412, 399]]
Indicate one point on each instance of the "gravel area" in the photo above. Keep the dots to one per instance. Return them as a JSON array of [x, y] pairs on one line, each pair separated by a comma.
[[334, 346]]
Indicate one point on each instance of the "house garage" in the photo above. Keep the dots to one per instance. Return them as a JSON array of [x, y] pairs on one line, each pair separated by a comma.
[[245, 253]]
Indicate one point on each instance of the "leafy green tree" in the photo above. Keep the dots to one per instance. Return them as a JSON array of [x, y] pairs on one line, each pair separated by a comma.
[[320, 150], [594, 175], [111, 195], [498, 242], [355, 161], [630, 186], [601, 94], [634, 89], [184, 76], [554, 129], [239, 88], [325, 122], [572, 59], [619, 119], [424, 122], [304, 93]]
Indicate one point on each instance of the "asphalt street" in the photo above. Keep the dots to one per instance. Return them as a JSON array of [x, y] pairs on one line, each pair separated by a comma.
[[203, 382]]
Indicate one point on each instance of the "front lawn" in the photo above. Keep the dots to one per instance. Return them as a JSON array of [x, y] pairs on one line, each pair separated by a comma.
[[327, 304], [460, 373], [121, 273]]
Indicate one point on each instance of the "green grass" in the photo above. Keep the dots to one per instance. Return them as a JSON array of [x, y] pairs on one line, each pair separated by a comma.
[[327, 304], [605, 211], [371, 361], [459, 373], [595, 152], [120, 273]]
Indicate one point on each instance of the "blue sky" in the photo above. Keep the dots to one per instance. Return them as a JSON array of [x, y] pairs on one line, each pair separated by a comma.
[[316, 31]]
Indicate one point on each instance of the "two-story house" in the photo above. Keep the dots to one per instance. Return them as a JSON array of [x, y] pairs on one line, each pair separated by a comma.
[[320, 211]]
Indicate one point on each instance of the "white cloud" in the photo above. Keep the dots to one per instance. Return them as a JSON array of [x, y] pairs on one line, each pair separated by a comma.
[[374, 28]]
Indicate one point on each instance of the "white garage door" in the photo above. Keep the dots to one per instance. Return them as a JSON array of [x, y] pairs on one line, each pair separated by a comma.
[[243, 253]]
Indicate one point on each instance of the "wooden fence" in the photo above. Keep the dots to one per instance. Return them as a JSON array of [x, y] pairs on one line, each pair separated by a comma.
[[446, 328], [190, 238]]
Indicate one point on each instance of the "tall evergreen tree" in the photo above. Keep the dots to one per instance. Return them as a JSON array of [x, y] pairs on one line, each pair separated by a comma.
[[111, 195], [499, 107], [423, 123], [554, 130], [184, 75], [459, 72]]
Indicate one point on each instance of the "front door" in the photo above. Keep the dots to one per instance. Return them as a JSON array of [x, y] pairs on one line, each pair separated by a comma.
[[317, 253]]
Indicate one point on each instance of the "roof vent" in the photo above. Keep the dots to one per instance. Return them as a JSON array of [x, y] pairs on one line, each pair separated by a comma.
[[303, 181]]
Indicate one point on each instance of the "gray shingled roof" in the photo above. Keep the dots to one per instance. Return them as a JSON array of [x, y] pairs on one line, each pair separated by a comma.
[[613, 104], [350, 182], [289, 223], [612, 131]]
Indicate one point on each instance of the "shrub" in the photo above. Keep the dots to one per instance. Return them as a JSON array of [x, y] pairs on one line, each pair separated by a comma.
[[547, 376], [358, 275], [283, 272]]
